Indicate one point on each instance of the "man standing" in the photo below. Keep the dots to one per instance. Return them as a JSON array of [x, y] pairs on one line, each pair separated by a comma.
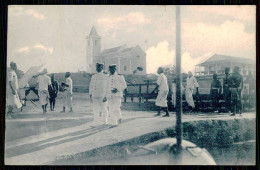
[[191, 83], [161, 100], [12, 98], [226, 90], [97, 91], [215, 91], [53, 92], [236, 88], [115, 86], [67, 96], [44, 81]]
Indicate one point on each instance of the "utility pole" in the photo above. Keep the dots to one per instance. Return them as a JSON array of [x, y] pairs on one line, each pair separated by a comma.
[[178, 127]]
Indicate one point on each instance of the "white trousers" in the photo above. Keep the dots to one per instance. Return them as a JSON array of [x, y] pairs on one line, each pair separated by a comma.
[[100, 111], [114, 113], [189, 98]]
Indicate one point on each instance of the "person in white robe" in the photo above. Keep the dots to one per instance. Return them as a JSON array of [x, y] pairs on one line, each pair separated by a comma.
[[115, 86], [12, 97], [163, 90], [44, 81], [67, 93], [191, 84], [97, 92]]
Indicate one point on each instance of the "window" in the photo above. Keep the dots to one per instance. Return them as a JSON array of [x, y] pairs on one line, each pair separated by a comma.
[[138, 56], [125, 68], [95, 42], [88, 43]]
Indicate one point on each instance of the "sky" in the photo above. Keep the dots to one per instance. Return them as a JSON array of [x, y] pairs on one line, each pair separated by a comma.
[[56, 35]]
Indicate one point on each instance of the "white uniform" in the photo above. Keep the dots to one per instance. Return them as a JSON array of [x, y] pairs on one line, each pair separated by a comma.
[[191, 84], [114, 99], [67, 96], [161, 99], [97, 89], [43, 93], [12, 100]]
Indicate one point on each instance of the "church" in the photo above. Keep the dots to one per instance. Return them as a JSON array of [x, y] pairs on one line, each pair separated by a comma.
[[129, 60]]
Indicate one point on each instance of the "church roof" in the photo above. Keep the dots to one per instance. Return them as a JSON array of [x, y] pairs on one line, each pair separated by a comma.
[[223, 58], [93, 32], [116, 50]]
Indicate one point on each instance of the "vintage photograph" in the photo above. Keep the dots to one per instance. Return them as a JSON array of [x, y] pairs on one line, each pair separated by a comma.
[[130, 85]]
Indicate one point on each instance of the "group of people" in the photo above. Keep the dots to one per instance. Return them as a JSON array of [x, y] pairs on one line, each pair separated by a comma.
[[106, 92], [163, 90], [48, 89], [232, 87]]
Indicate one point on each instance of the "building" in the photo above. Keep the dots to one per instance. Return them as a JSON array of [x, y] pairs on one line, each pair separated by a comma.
[[129, 60], [217, 64]]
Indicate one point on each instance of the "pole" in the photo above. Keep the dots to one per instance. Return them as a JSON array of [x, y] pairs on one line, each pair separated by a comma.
[[179, 82]]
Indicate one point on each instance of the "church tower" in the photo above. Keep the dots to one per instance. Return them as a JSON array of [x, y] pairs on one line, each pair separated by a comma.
[[93, 49]]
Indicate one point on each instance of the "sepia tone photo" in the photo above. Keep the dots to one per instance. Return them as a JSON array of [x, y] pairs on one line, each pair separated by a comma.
[[130, 85]]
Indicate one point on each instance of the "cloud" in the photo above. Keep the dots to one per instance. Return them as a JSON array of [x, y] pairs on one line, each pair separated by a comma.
[[125, 21], [159, 56], [18, 11], [35, 14], [243, 12], [26, 57], [228, 38]]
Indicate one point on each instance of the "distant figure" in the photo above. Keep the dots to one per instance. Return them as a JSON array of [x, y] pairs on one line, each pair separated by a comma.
[[215, 91], [12, 98], [97, 92], [44, 81], [161, 100], [53, 92], [67, 94], [226, 89], [115, 86], [191, 84], [236, 88]]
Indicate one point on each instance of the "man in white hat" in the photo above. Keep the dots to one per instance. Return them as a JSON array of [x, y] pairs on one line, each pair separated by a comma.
[[97, 92], [44, 81], [12, 98], [115, 86], [191, 83], [67, 95]]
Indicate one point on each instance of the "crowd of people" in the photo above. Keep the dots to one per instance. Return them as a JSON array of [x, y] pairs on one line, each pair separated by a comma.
[[106, 92]]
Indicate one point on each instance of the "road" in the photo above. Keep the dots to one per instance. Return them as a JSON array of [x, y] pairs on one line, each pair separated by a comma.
[[36, 139]]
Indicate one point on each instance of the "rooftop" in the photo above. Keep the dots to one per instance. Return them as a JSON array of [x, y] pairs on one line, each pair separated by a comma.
[[224, 58]]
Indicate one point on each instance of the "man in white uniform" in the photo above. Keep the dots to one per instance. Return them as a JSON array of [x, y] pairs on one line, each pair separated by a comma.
[[44, 81], [12, 98], [191, 84], [161, 100], [67, 95], [115, 86], [97, 92]]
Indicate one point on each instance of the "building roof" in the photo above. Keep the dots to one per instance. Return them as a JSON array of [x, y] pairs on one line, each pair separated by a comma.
[[93, 32], [116, 50], [223, 58]]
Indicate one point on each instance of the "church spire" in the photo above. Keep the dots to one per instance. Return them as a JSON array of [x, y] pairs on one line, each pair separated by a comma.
[[93, 32]]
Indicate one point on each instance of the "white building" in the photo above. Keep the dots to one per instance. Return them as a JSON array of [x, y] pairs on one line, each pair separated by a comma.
[[217, 64], [129, 60]]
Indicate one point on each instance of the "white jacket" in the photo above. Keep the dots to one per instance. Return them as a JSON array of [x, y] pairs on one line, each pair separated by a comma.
[[97, 87], [162, 82], [115, 81]]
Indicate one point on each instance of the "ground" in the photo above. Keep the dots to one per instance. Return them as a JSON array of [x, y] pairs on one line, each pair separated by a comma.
[[33, 138]]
